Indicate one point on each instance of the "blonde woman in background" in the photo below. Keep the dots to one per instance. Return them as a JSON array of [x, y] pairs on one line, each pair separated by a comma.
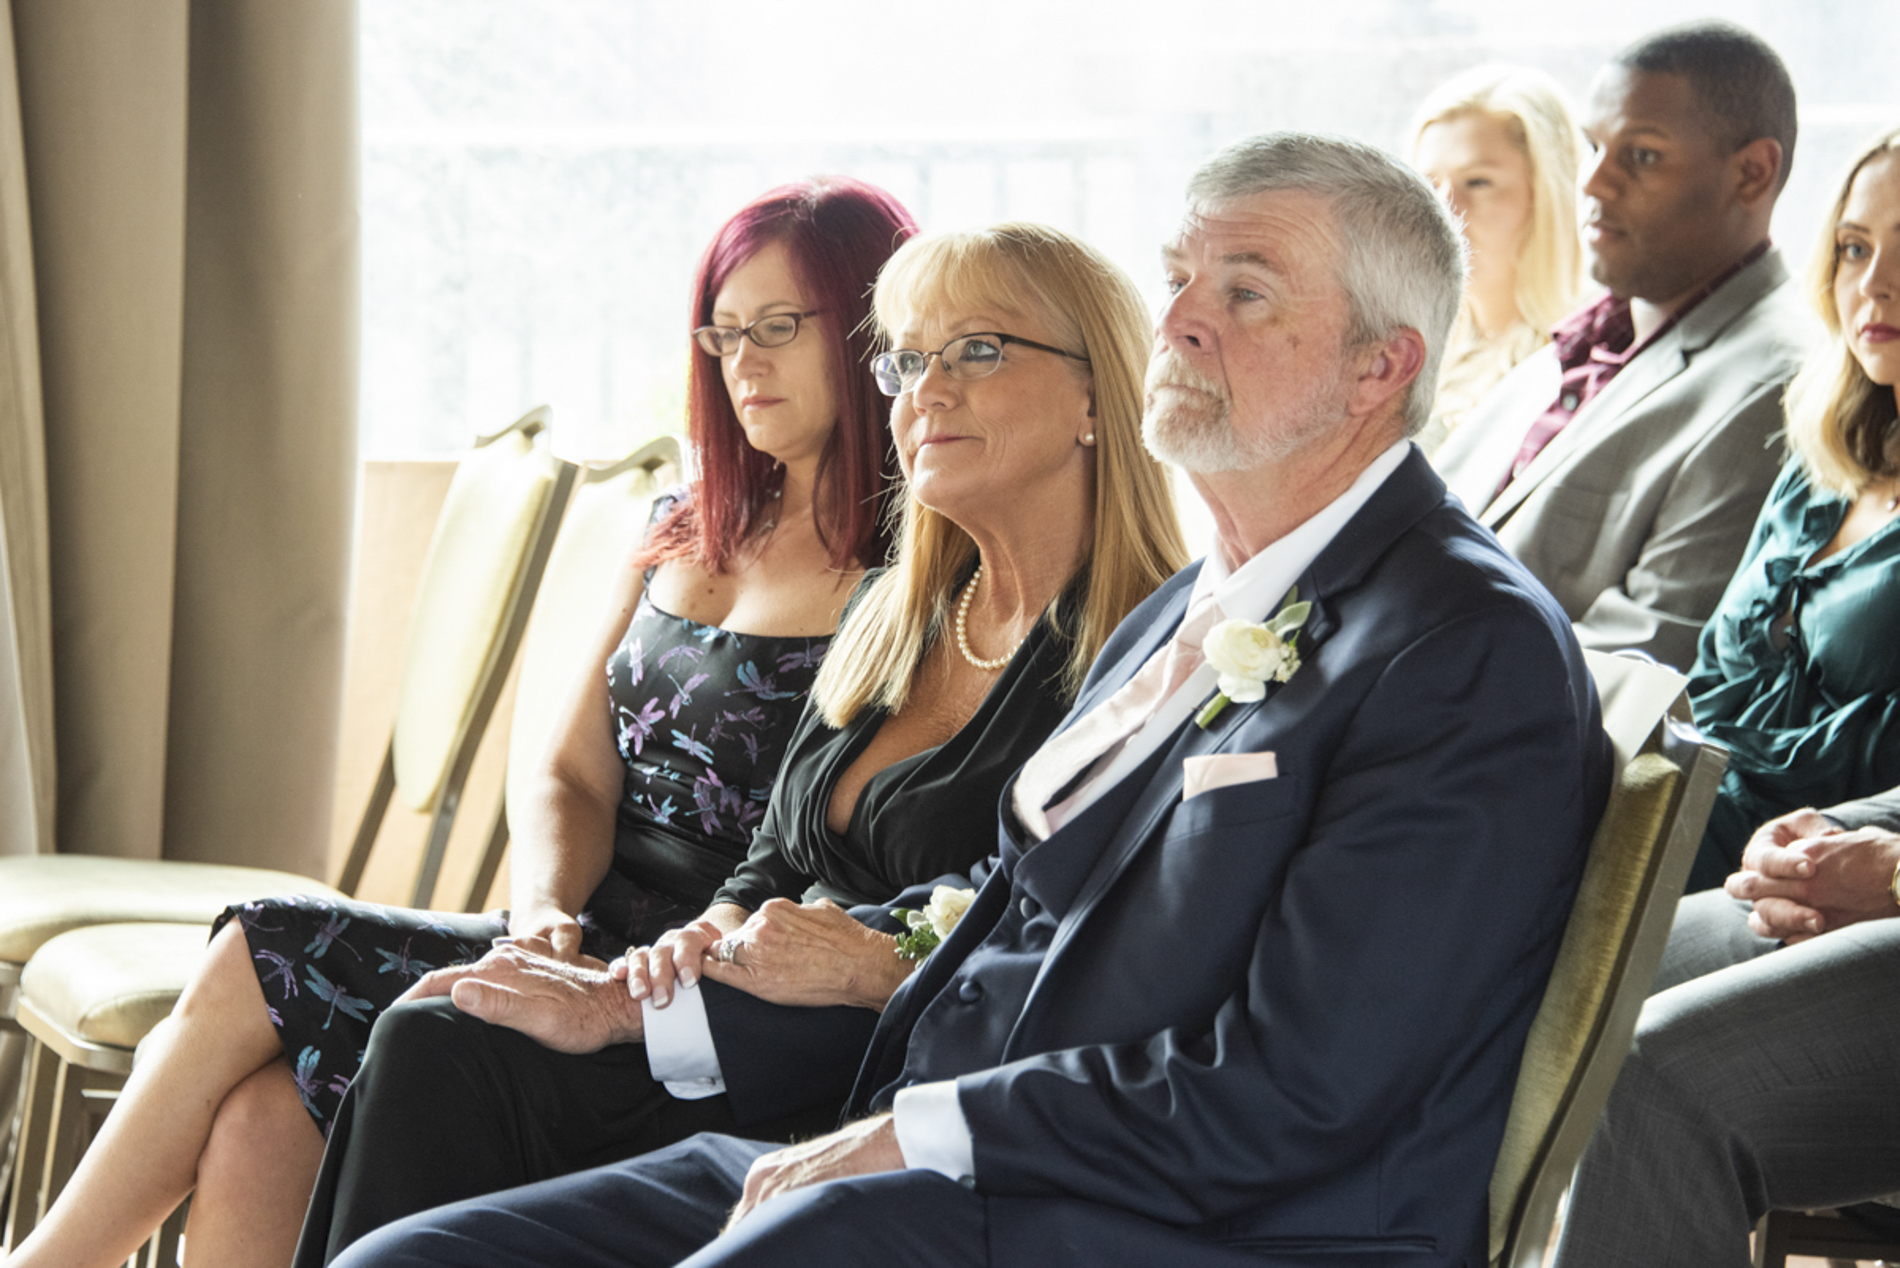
[[1499, 144]]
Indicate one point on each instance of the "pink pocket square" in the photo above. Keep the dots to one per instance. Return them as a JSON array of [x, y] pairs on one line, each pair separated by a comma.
[[1218, 770]]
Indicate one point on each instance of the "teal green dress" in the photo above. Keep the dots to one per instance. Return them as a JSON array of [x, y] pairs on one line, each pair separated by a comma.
[[1807, 707]]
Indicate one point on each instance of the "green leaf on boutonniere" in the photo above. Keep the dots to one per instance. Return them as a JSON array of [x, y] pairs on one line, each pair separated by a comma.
[[933, 924]]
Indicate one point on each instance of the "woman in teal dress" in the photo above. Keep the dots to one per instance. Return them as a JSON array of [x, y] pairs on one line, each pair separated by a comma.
[[1799, 669]]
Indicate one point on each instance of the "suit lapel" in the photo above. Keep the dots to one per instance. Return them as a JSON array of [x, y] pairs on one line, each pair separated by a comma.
[[1408, 495], [1652, 368]]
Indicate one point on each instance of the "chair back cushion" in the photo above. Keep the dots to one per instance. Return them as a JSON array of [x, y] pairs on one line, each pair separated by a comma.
[[1636, 695], [471, 577], [604, 521]]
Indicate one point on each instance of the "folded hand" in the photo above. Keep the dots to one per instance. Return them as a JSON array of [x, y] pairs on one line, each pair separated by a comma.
[[651, 972], [1806, 875]]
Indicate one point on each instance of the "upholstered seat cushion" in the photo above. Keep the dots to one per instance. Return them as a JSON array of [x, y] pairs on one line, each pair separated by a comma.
[[110, 984], [47, 895]]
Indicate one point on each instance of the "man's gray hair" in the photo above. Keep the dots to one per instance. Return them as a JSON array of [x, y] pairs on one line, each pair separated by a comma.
[[1403, 259]]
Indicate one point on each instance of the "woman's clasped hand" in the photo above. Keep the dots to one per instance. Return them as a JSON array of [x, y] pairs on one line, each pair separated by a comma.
[[809, 954]]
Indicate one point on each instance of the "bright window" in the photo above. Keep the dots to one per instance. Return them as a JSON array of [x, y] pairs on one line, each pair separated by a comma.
[[539, 177]]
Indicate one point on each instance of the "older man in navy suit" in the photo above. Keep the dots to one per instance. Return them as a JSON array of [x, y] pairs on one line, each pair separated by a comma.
[[1247, 984]]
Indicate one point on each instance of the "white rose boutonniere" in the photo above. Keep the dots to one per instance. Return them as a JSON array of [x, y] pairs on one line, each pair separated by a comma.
[[1249, 654], [934, 923]]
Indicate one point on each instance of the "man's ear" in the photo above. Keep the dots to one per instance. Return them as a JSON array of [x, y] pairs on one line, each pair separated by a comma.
[[1756, 169], [1386, 369]]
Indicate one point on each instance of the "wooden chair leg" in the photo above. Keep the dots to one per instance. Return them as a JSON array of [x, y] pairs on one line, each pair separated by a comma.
[[31, 1147]]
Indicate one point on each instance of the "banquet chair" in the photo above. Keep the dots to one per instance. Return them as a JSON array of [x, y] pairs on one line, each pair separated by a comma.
[[1613, 941], [99, 949], [606, 516]]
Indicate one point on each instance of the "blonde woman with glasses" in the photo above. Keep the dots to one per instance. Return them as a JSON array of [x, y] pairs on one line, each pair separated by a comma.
[[1499, 144], [1033, 522]]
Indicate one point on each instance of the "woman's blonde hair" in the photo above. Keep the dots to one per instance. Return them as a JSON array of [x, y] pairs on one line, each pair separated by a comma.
[[1841, 424], [1091, 307], [1537, 115]]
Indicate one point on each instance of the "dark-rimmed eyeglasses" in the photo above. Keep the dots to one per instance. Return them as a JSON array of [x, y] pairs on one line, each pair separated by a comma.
[[774, 331], [967, 357]]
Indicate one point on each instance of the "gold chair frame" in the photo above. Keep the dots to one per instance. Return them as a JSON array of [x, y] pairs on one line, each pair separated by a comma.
[[70, 1081], [1675, 772]]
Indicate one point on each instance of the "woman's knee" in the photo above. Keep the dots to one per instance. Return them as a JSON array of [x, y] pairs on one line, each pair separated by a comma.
[[257, 1123], [224, 979]]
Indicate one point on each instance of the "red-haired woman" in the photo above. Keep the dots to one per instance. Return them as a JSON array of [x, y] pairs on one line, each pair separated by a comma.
[[647, 800]]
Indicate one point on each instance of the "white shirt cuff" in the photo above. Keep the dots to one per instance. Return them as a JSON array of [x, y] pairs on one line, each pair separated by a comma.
[[932, 1133], [680, 1050]]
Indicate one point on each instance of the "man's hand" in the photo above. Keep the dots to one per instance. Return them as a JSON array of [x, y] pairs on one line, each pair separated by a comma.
[[811, 955], [566, 1007], [863, 1148], [1806, 876]]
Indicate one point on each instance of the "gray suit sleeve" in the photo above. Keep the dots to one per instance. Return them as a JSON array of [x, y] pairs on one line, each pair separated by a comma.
[[1695, 540], [1882, 811]]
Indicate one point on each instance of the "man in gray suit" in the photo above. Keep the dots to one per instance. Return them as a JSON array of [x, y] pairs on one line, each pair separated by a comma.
[[1760, 1080], [1625, 463]]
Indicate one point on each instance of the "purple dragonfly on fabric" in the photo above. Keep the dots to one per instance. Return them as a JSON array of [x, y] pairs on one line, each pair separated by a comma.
[[401, 962], [326, 937], [280, 968], [753, 683], [333, 994]]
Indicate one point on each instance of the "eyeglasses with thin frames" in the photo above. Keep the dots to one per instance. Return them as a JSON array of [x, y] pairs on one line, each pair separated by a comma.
[[774, 330], [973, 356]]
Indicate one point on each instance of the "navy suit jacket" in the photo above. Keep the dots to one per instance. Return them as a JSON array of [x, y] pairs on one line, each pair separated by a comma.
[[1285, 1017]]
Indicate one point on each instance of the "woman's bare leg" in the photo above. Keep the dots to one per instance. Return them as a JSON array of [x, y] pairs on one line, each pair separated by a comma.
[[255, 1176], [145, 1158]]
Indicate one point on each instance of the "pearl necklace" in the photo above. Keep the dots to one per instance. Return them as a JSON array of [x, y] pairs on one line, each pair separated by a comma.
[[963, 634]]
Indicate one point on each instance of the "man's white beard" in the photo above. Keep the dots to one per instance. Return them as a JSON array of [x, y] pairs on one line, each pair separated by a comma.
[[1194, 429]]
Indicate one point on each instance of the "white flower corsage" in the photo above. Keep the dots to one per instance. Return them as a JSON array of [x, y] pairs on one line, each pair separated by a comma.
[[1249, 654], [934, 923]]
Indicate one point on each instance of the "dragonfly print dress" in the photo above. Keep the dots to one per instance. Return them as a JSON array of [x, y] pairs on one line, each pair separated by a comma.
[[701, 717]]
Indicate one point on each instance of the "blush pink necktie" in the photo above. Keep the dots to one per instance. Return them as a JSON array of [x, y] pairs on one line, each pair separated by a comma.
[[1094, 741]]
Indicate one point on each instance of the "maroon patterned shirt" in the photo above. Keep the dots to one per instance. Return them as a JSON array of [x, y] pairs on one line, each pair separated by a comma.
[[1592, 348]]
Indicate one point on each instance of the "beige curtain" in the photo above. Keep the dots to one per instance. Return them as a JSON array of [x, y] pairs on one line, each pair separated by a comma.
[[178, 234], [26, 620]]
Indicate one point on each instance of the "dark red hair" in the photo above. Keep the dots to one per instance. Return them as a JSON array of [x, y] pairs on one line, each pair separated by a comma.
[[838, 233]]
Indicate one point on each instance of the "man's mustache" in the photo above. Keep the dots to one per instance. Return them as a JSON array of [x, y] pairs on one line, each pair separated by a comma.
[[1171, 370]]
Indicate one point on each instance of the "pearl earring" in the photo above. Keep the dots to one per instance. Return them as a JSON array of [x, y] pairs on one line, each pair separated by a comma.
[[1088, 438]]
